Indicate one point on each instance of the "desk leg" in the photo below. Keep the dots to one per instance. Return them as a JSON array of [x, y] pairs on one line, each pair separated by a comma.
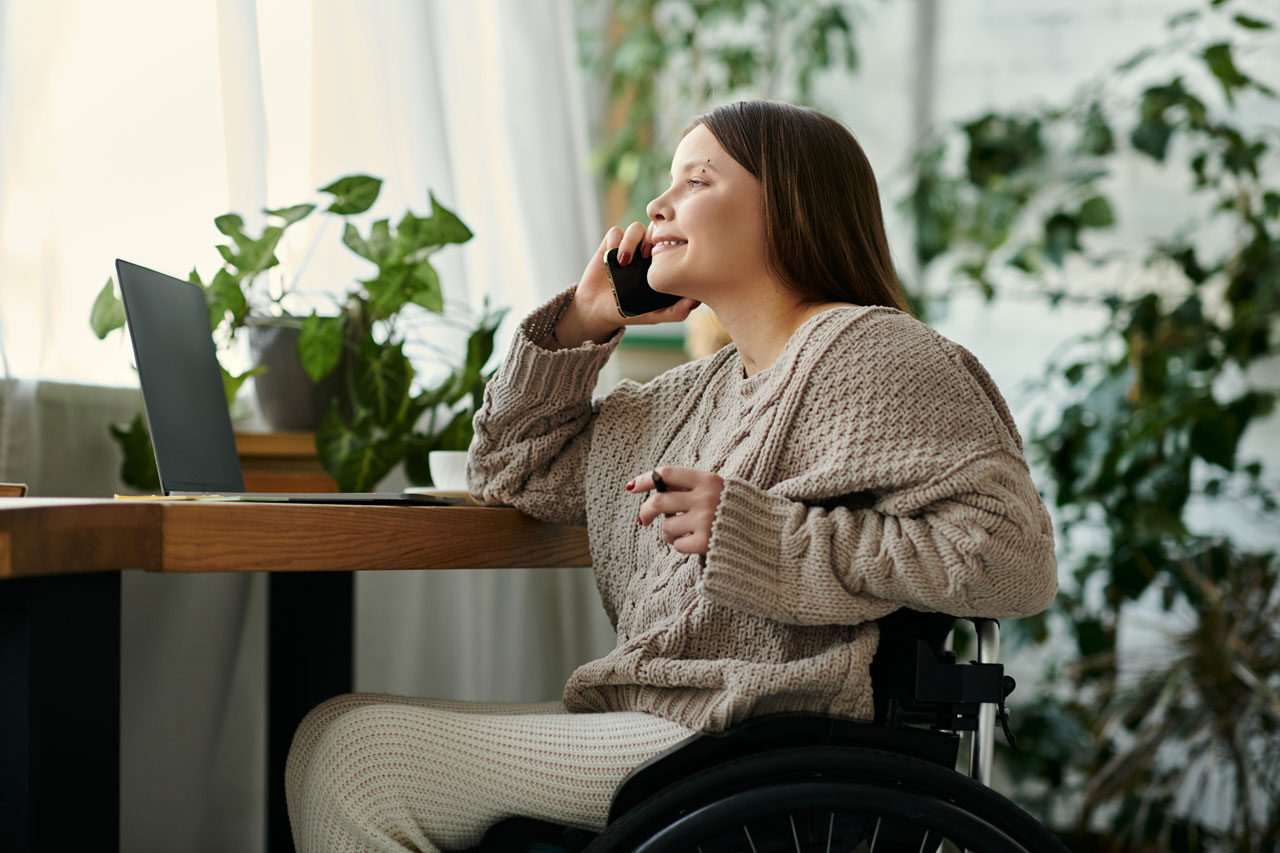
[[309, 659], [60, 711]]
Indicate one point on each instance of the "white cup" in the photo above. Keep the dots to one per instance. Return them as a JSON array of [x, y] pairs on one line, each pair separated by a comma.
[[448, 469]]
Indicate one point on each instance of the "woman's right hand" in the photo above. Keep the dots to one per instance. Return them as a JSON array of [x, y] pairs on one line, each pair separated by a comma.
[[593, 313]]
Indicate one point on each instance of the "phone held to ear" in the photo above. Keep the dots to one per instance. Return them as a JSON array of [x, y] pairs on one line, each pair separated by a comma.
[[631, 288]]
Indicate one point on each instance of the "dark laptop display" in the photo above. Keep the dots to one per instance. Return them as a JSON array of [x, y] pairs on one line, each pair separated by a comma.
[[183, 395]]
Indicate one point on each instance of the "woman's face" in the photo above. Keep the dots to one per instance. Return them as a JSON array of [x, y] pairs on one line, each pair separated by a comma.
[[712, 214]]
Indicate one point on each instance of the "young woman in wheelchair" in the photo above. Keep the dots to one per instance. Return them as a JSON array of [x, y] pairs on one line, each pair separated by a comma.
[[751, 514]]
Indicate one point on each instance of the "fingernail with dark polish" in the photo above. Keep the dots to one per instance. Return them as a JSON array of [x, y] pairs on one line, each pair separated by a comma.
[[631, 485], [624, 258]]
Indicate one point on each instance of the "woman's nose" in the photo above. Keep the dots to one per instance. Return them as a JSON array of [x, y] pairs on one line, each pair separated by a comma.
[[656, 210]]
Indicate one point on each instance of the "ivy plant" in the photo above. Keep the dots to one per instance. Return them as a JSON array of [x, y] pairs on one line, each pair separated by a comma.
[[387, 416], [1143, 437]]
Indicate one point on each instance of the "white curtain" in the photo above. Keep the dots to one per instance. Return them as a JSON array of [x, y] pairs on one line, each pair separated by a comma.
[[124, 129]]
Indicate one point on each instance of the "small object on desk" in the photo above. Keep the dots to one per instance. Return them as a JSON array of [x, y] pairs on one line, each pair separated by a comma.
[[448, 469], [205, 498]]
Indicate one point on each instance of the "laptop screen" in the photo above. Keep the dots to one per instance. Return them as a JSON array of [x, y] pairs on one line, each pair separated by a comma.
[[182, 388]]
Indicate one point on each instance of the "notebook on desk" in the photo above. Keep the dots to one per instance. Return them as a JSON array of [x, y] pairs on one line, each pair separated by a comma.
[[186, 405]]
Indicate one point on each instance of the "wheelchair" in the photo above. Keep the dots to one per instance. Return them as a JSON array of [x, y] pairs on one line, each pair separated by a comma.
[[803, 782]]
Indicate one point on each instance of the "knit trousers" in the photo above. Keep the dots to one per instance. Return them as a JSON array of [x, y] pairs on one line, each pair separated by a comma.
[[375, 772]]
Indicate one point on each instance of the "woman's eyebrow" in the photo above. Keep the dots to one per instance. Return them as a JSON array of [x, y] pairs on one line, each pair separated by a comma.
[[692, 164]]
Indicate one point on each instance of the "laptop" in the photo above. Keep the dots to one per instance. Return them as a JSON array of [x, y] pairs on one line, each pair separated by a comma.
[[185, 402]]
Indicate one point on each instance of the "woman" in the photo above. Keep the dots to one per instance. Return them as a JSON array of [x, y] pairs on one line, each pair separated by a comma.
[[751, 514]]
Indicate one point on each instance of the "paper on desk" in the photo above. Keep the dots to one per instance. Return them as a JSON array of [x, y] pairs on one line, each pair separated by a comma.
[[204, 498]]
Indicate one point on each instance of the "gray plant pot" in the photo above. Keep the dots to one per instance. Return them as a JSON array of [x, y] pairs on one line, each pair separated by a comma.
[[289, 400]]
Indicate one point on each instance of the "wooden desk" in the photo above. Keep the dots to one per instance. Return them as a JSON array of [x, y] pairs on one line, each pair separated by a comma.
[[60, 561]]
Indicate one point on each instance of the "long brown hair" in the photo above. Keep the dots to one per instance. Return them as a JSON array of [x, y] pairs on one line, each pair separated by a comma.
[[823, 228]]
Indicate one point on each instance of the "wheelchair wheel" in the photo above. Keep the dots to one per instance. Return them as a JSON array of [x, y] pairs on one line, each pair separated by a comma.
[[826, 799], [801, 816]]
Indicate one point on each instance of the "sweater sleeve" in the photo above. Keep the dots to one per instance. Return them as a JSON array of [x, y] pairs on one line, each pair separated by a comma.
[[902, 483], [983, 546], [533, 432]]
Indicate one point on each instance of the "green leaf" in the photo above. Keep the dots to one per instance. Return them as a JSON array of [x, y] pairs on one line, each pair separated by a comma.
[[223, 295], [1271, 204], [354, 459], [1061, 235], [387, 291], [1135, 60], [1026, 259], [1000, 146], [416, 448], [366, 465], [1252, 23], [1092, 638], [425, 287], [352, 240], [353, 194], [383, 376], [292, 214], [335, 440], [1096, 137], [446, 227], [231, 384], [1218, 58], [1096, 213], [441, 228], [480, 343], [230, 224], [1152, 138], [258, 255], [139, 466], [320, 345], [379, 242], [1214, 439], [107, 313]]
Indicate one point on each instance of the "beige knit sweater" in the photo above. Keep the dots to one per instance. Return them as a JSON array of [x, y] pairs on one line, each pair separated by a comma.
[[874, 465]]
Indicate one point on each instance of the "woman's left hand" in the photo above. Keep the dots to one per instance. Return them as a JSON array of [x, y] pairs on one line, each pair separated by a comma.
[[688, 504]]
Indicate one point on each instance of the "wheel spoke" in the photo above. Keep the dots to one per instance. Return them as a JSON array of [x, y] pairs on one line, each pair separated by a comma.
[[749, 841], [831, 828], [875, 835]]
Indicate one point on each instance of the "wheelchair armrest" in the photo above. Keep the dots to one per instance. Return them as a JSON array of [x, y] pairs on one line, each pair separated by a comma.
[[956, 683]]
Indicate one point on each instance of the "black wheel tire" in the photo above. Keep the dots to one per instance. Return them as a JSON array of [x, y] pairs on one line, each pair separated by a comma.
[[934, 819], [853, 765]]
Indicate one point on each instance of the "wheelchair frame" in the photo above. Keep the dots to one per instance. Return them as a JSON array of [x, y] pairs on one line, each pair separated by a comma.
[[902, 761]]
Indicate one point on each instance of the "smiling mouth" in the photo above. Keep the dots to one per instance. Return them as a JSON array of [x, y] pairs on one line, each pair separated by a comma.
[[667, 244]]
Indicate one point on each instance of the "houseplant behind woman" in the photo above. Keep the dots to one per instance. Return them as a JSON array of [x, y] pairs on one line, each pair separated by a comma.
[[751, 513]]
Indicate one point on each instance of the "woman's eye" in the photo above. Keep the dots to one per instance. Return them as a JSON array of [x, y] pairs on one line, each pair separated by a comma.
[[694, 182]]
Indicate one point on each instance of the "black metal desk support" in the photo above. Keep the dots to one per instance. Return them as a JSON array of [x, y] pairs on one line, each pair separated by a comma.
[[310, 619], [60, 697], [60, 711]]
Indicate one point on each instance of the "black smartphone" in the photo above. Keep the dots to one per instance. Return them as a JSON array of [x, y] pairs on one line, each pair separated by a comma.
[[631, 288]]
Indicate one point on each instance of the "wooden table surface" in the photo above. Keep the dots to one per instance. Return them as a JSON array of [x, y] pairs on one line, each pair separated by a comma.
[[43, 536]]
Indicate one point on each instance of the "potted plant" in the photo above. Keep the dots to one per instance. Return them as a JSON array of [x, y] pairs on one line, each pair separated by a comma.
[[372, 413]]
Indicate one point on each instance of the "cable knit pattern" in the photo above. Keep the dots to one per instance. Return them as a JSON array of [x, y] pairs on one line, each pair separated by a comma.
[[874, 465], [376, 772]]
